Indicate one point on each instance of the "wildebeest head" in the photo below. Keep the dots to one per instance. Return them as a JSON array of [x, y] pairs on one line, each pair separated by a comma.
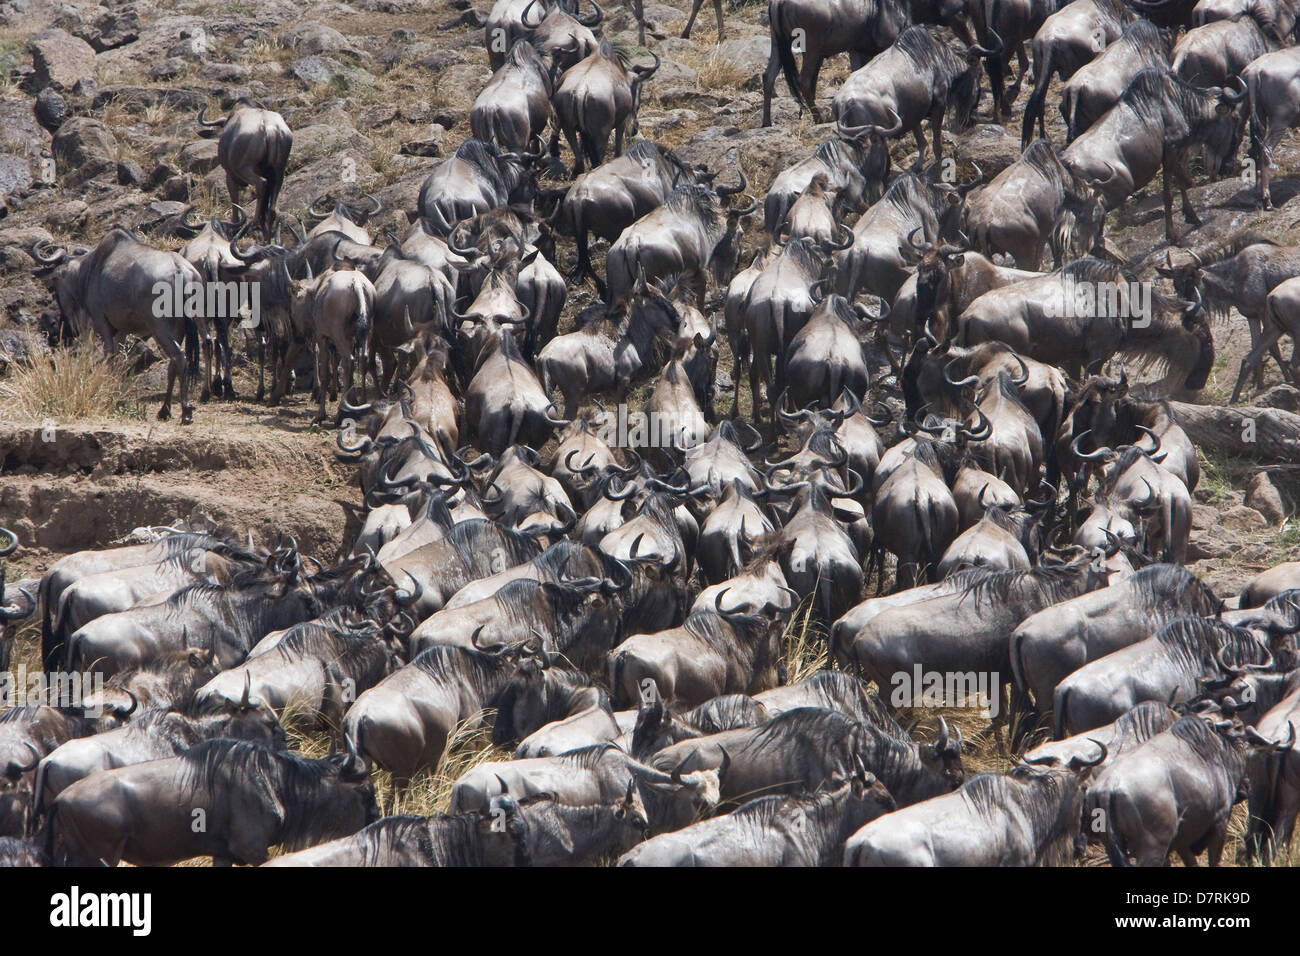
[[944, 755]]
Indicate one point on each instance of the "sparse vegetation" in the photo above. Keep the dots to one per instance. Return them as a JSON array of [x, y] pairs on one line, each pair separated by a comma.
[[71, 384]]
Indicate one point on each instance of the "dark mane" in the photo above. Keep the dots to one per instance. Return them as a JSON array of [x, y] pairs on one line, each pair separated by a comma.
[[727, 712], [474, 670], [803, 252], [925, 46], [1208, 744], [1055, 584], [1040, 797], [1145, 95], [694, 200], [1144, 721], [1089, 269], [1165, 588], [1214, 254], [1042, 159]]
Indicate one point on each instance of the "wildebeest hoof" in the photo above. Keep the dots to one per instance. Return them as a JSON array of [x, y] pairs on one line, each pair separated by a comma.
[[205, 396], [164, 413], [187, 415]]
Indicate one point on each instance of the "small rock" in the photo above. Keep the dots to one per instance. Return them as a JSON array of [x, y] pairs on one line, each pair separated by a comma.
[[194, 44], [311, 37], [313, 71], [15, 174], [168, 69], [110, 29], [223, 72], [176, 189], [129, 173], [51, 109], [440, 60], [990, 147], [1211, 543], [1242, 518], [1264, 497], [59, 59], [199, 157], [84, 148], [161, 173]]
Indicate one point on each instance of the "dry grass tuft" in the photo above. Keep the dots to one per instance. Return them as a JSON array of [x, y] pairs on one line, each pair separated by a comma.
[[71, 384]]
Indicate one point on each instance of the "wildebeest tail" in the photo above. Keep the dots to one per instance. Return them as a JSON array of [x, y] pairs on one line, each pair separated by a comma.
[[192, 345], [1058, 718], [783, 44], [48, 648], [1034, 108], [361, 335]]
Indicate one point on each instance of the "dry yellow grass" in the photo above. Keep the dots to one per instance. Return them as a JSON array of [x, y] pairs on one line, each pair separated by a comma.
[[71, 384]]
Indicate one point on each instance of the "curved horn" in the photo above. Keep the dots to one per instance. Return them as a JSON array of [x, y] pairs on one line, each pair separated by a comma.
[[592, 19], [211, 123], [734, 190], [1078, 763], [1098, 455], [12, 546], [958, 383], [36, 252]]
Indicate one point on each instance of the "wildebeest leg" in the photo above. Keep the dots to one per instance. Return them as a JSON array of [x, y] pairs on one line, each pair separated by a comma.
[[920, 149], [206, 393], [717, 9], [225, 357], [1255, 359], [175, 365], [259, 345], [1167, 195], [808, 72], [322, 371], [690, 21], [1218, 837], [995, 67], [572, 136], [936, 130], [1013, 91], [769, 79]]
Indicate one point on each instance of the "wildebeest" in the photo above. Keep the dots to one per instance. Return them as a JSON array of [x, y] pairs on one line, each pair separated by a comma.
[[808, 748], [924, 74], [1155, 122], [595, 97], [1170, 666], [125, 287], [711, 653], [1273, 108], [254, 151], [823, 30], [1058, 640], [515, 106], [404, 723], [772, 831], [1049, 319], [1173, 793], [1026, 817], [1069, 38], [251, 797], [154, 735], [1035, 203]]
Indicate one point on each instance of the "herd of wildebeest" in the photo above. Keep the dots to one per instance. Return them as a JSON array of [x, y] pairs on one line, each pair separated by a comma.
[[927, 408]]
